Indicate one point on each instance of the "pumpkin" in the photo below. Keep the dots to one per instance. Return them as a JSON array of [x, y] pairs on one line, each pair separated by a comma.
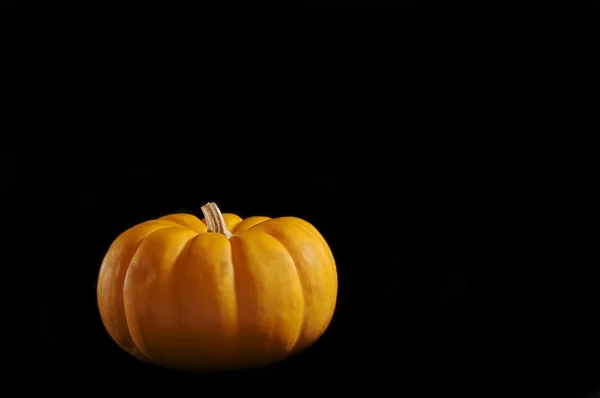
[[220, 293]]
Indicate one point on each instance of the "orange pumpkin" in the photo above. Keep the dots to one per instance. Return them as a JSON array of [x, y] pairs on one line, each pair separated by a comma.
[[217, 294]]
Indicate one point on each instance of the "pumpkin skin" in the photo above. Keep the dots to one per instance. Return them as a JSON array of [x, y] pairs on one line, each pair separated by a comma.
[[174, 294]]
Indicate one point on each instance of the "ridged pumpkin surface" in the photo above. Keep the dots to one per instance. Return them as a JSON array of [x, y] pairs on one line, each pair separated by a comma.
[[174, 294]]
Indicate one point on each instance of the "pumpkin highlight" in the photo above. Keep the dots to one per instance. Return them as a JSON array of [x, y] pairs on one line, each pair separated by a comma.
[[219, 293]]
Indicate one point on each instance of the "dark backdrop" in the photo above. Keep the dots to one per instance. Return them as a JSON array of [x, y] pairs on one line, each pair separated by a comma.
[[446, 285], [471, 276], [91, 4]]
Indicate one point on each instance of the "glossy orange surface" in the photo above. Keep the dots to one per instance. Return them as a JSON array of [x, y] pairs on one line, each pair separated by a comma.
[[173, 294]]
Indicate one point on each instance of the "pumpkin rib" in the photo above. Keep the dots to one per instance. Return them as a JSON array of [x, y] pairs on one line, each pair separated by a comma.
[[190, 305], [232, 221], [251, 221], [185, 220], [302, 287], [129, 344], [308, 226], [303, 225], [133, 344], [236, 289], [128, 321], [181, 257], [166, 223], [240, 252], [184, 254]]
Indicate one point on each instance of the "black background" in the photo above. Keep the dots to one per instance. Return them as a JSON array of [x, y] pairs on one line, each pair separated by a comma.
[[454, 281], [469, 275], [98, 5]]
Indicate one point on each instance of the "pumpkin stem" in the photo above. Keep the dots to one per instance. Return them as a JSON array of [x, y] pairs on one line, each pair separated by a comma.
[[214, 219]]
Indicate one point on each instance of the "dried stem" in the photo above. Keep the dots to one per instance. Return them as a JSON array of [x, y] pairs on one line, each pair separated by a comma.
[[214, 219]]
